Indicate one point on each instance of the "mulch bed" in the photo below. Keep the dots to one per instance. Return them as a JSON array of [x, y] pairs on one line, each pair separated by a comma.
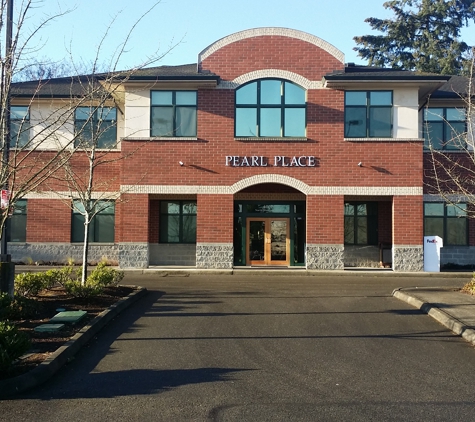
[[44, 344]]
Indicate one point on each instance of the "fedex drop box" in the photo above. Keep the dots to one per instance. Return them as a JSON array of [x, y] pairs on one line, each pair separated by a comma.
[[432, 245]]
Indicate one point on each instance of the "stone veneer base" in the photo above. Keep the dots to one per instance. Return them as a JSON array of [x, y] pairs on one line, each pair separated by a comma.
[[61, 252], [214, 255], [133, 255], [325, 257], [408, 258]]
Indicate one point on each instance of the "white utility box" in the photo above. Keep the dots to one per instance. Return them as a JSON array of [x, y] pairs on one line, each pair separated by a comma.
[[432, 245]]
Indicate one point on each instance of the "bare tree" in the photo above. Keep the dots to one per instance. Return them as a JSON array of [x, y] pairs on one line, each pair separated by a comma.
[[21, 149], [41, 69], [45, 148], [84, 180], [450, 166]]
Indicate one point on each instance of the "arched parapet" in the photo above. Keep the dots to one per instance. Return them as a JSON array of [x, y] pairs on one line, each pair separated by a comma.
[[271, 31], [270, 178], [272, 73]]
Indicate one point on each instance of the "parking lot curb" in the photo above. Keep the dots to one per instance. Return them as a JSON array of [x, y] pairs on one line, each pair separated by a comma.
[[447, 320]]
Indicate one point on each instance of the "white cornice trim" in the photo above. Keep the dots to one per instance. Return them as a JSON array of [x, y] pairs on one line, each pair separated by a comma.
[[70, 195], [300, 186], [251, 181], [259, 32], [271, 73]]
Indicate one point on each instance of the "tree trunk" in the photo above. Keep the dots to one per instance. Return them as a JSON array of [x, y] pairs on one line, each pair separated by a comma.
[[85, 249]]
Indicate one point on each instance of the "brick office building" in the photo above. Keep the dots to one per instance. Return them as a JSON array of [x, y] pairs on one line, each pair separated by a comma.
[[270, 151]]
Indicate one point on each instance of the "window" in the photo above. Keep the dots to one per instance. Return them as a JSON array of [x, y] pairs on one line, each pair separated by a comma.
[[361, 223], [19, 126], [173, 113], [368, 114], [17, 222], [96, 126], [101, 228], [178, 222], [270, 108], [446, 221], [444, 128]]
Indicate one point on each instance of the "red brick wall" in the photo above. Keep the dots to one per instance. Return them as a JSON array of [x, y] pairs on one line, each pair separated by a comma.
[[48, 220], [385, 163], [407, 220], [325, 219], [157, 162], [132, 219], [444, 173], [271, 52], [215, 219], [106, 176]]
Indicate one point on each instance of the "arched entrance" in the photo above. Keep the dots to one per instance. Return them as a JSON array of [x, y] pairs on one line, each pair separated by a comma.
[[269, 226]]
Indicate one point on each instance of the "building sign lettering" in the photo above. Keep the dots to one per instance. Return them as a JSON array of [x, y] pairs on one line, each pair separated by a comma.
[[278, 161]]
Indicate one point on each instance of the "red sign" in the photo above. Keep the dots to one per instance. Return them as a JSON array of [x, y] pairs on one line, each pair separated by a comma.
[[5, 199]]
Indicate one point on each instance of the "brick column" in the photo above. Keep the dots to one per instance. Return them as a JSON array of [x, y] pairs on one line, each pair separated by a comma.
[[214, 237], [325, 236], [132, 223], [408, 233]]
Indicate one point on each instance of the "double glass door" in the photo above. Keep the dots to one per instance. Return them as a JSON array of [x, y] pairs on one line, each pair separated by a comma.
[[268, 241]]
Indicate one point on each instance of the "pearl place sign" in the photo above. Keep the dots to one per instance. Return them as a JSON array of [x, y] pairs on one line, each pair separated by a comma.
[[278, 161]]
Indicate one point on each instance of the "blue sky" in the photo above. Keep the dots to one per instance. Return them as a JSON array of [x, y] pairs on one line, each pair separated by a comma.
[[192, 25]]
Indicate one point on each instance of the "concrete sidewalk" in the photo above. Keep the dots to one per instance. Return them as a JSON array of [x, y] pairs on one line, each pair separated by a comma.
[[450, 307]]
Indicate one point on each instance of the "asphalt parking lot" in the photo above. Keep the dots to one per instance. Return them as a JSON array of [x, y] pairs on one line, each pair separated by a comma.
[[264, 348]]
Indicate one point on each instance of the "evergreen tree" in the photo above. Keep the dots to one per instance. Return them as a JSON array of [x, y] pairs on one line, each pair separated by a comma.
[[423, 35]]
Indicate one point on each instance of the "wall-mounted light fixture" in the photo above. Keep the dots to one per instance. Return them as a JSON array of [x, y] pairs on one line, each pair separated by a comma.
[[181, 163], [360, 164]]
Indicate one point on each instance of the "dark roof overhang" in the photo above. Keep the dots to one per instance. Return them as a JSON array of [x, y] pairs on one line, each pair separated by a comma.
[[186, 76], [354, 77]]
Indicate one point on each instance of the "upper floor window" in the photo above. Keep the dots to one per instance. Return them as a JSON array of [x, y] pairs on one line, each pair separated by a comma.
[[101, 227], [19, 126], [173, 113], [270, 108], [447, 221], [368, 114], [444, 128], [95, 127]]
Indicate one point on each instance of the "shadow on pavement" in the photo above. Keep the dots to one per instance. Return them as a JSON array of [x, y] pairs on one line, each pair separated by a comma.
[[78, 379]]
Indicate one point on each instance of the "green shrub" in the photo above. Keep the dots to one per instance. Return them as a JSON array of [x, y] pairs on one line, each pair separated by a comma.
[[105, 276], [101, 277], [13, 344], [5, 302], [76, 289], [18, 308], [29, 284], [61, 275]]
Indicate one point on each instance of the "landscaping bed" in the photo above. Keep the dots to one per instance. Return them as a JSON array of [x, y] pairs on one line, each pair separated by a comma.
[[43, 307], [38, 298]]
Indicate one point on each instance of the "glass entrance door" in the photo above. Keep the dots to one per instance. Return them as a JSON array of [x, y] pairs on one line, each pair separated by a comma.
[[268, 241]]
